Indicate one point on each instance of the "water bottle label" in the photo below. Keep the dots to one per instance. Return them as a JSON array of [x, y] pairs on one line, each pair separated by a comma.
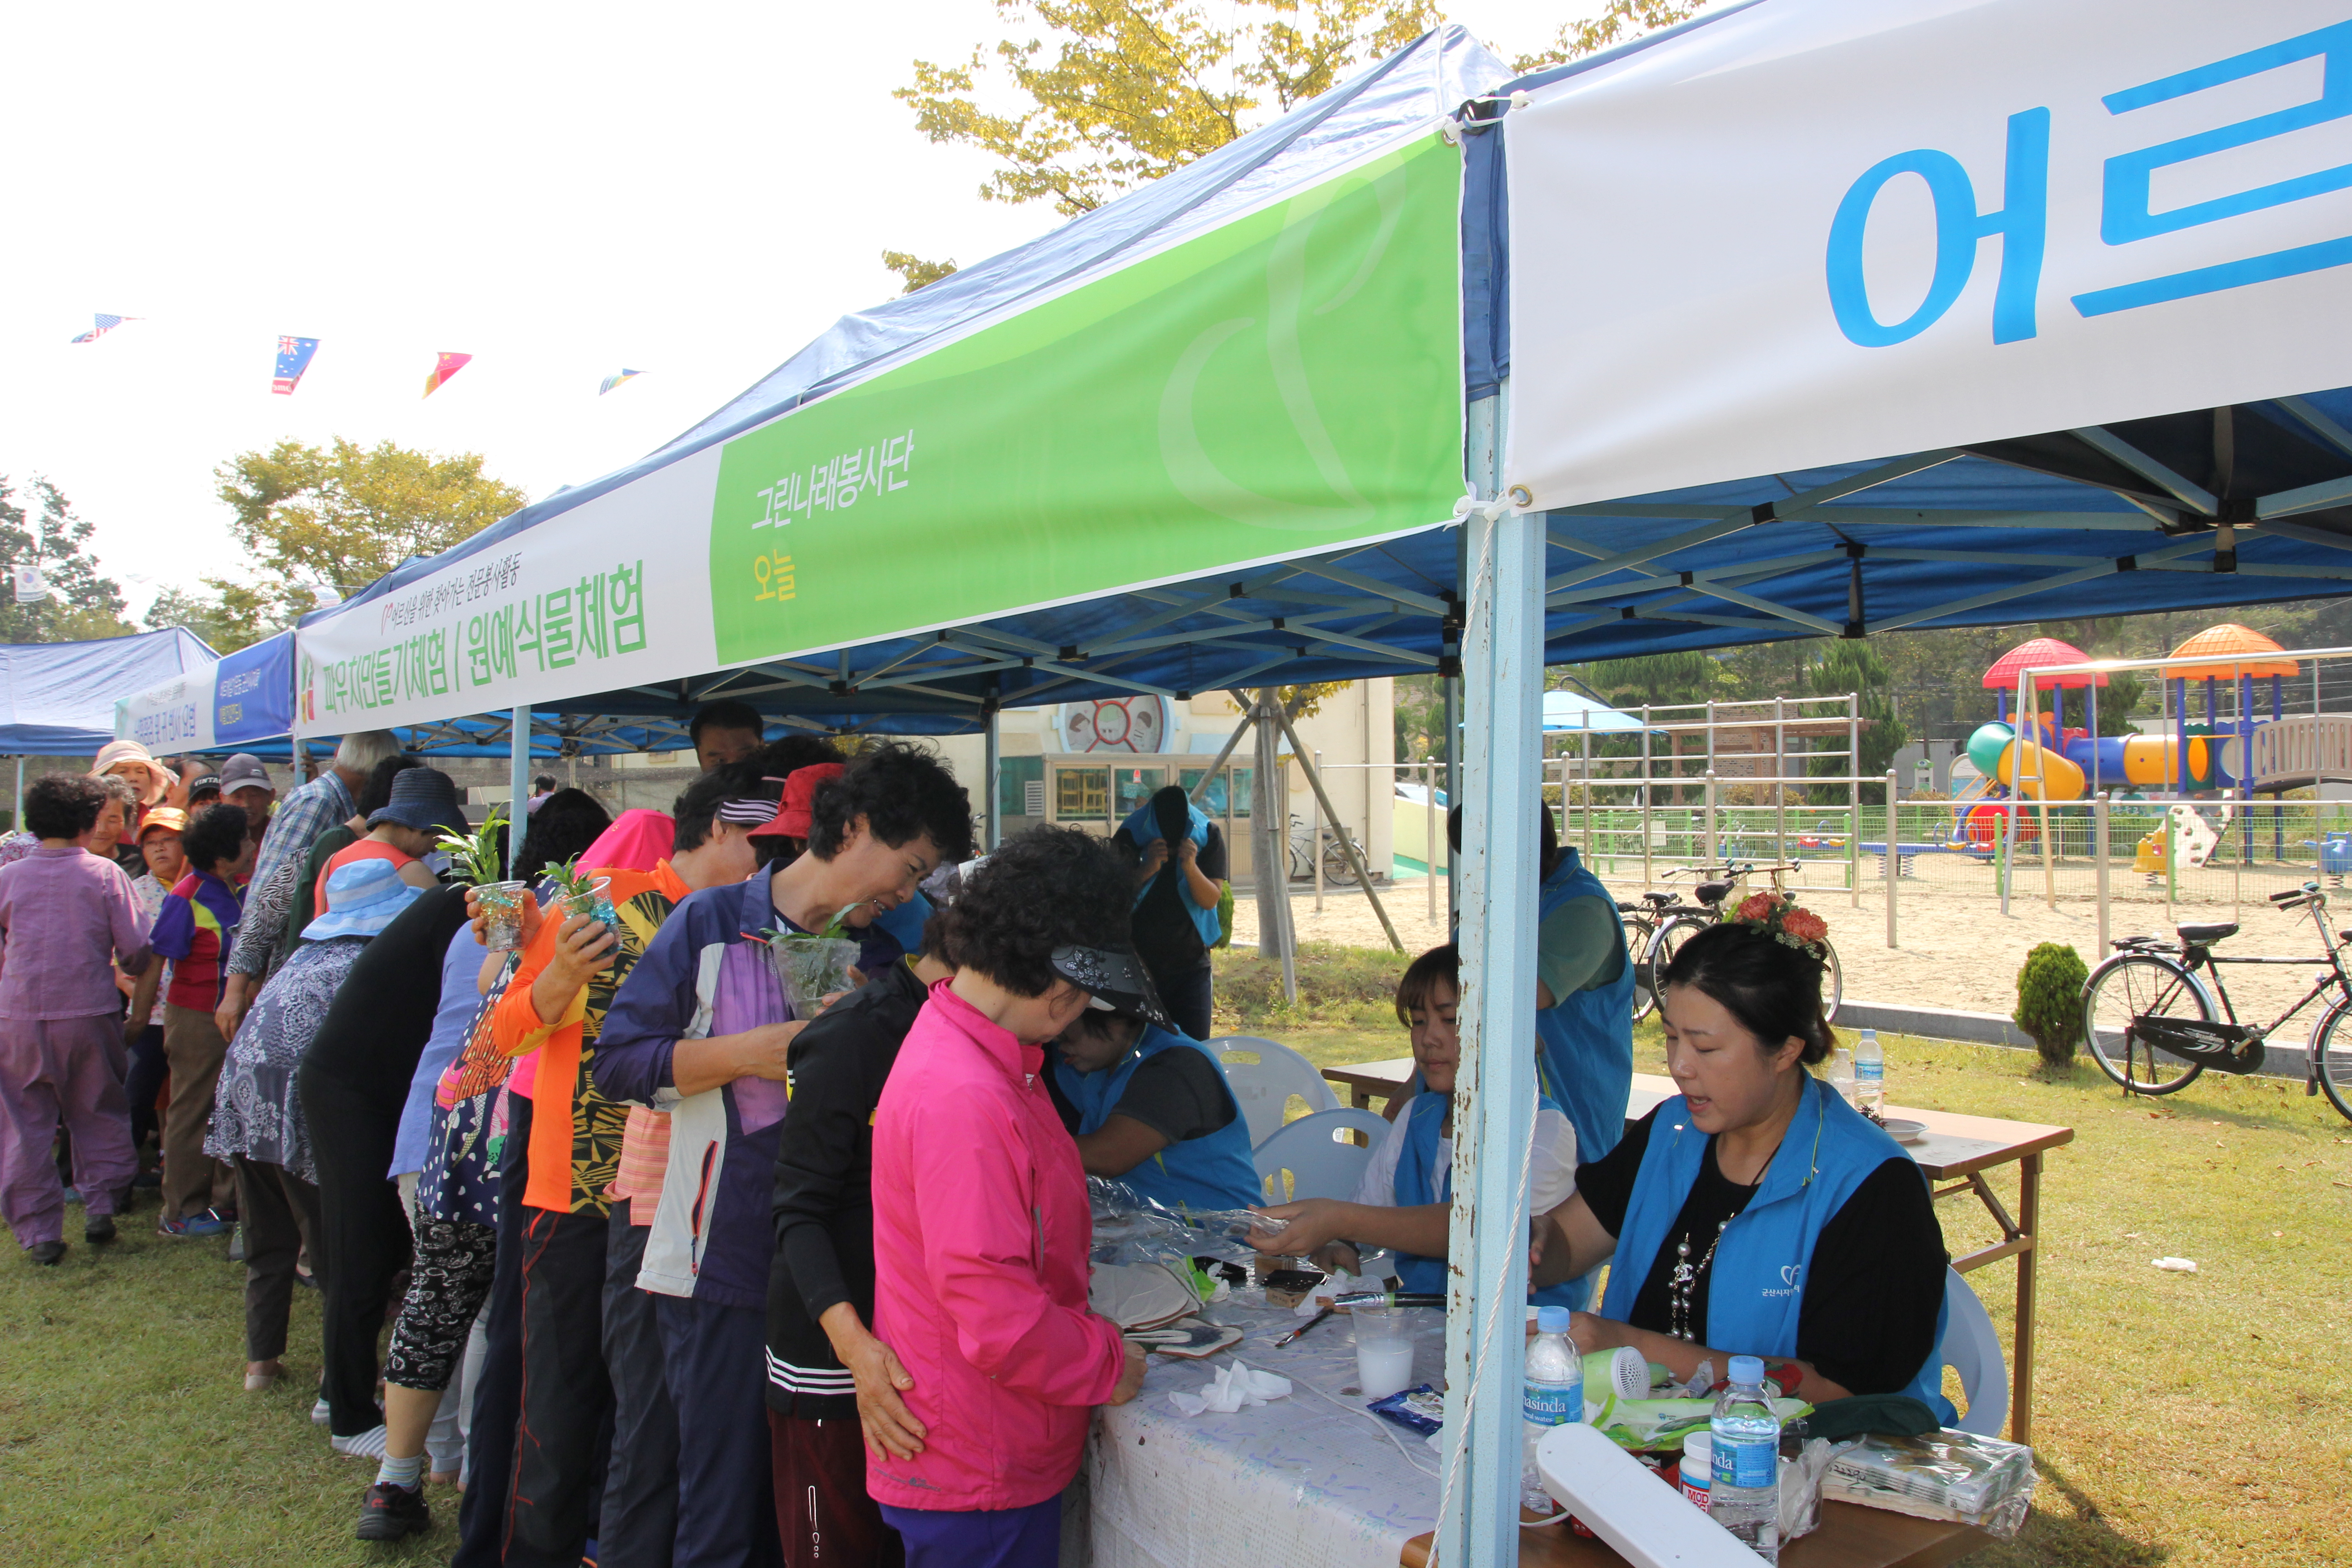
[[1870, 1072], [1551, 1404], [1746, 1462]]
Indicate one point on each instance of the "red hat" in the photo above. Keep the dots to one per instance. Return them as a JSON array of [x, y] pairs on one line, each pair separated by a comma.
[[792, 821]]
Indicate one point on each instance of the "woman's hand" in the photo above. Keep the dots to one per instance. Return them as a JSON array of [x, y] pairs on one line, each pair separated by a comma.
[[892, 1432], [584, 948], [531, 916], [1598, 1333], [1301, 1227], [762, 1050], [1131, 1376]]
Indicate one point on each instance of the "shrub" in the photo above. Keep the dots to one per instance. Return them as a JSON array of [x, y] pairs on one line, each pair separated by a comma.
[[2049, 1000]]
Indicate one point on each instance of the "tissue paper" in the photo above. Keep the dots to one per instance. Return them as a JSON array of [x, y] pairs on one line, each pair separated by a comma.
[[1235, 1388]]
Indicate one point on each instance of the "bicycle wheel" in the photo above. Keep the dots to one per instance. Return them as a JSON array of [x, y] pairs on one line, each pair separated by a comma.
[[1666, 944], [1832, 980], [2129, 988], [2331, 1051], [1638, 929], [1337, 872]]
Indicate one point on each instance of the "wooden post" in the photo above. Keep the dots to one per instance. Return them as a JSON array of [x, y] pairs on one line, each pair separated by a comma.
[[1314, 835], [1853, 798], [1893, 857], [1429, 832], [2099, 853]]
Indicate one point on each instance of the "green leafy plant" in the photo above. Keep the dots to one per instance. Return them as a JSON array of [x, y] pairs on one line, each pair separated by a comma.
[[476, 853], [2049, 1000], [571, 882], [836, 929]]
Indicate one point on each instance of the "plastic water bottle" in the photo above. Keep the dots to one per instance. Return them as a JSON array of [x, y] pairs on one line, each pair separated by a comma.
[[1842, 1073], [1744, 1482], [1554, 1397], [1869, 1075]]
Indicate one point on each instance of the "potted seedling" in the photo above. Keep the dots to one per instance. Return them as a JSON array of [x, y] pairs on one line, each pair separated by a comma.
[[814, 966], [474, 857], [577, 893]]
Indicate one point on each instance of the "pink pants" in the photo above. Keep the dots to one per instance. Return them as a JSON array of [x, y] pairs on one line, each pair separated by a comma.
[[70, 1070]]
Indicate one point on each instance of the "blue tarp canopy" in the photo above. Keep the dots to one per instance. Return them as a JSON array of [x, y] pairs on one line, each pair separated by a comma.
[[1572, 712], [60, 696]]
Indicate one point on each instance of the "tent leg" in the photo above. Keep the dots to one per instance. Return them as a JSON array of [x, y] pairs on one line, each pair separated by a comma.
[[1453, 772], [1496, 1085], [18, 800], [518, 784], [1347, 846], [1270, 843], [992, 821]]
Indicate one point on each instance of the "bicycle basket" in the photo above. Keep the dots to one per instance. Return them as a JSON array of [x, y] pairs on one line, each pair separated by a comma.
[[2233, 1048]]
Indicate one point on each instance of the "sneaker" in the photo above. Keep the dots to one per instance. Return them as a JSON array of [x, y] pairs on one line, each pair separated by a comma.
[[236, 1245], [389, 1512], [321, 1413], [46, 1253], [226, 1214], [204, 1224], [368, 1444], [100, 1228]]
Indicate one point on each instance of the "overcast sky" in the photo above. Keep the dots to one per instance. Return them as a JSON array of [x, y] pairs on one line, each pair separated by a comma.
[[690, 191]]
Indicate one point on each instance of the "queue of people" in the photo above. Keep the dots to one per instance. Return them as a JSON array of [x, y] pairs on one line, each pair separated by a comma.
[[679, 1271]]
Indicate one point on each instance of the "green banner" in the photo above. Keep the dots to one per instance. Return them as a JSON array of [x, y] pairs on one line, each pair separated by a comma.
[[1288, 382]]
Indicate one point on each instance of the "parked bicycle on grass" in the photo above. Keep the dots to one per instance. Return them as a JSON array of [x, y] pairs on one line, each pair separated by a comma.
[[1660, 923]]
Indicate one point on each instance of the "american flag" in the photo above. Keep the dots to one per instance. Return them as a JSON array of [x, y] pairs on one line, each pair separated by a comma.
[[293, 359], [105, 324]]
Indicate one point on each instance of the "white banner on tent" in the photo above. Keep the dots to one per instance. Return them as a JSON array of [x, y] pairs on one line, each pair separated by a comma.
[[1850, 229], [619, 594]]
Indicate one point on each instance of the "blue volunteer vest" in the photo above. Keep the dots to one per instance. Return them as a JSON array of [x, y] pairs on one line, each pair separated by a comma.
[[1420, 1179], [1141, 828], [1756, 1287], [1211, 1173], [1584, 1041]]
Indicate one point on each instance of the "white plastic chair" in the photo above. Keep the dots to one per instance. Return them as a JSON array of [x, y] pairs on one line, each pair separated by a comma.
[[1264, 1075], [1317, 1152], [1971, 1349]]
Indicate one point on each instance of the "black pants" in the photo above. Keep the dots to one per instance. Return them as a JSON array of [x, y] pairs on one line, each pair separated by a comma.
[[718, 1358], [1186, 996], [279, 1209], [148, 1069], [639, 1517], [367, 1245], [567, 1399], [498, 1401]]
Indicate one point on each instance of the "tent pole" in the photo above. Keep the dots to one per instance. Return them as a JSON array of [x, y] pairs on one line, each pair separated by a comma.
[[2042, 794], [1270, 841], [1494, 1093], [18, 802], [1452, 778], [993, 826], [518, 784], [1347, 846], [1249, 716]]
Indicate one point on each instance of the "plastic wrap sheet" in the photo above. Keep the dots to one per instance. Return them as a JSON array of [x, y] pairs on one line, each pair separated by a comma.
[[1311, 1482]]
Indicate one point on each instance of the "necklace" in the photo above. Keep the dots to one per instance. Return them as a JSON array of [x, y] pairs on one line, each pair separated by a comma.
[[1685, 1280]]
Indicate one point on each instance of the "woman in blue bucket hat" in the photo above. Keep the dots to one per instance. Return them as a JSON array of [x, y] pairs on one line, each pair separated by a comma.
[[258, 1122]]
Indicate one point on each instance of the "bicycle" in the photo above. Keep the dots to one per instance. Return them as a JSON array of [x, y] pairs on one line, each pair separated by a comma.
[[2150, 1019], [1337, 871], [1675, 922]]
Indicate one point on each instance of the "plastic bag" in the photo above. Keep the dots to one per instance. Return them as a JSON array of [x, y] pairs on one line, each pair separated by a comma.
[[1649, 1425], [1946, 1475]]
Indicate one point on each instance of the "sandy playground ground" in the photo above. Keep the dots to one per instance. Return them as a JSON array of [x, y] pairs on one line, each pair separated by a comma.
[[1957, 950]]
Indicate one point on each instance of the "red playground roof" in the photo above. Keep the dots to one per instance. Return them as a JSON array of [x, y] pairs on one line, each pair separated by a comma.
[[2034, 655]]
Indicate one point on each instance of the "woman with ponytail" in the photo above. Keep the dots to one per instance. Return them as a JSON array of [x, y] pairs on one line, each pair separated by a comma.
[[1757, 1213]]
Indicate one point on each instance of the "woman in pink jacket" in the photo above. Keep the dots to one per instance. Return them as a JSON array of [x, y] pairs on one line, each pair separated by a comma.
[[981, 1222]]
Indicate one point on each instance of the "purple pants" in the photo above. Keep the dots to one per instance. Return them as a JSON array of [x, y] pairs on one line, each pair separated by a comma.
[[69, 1070], [980, 1538]]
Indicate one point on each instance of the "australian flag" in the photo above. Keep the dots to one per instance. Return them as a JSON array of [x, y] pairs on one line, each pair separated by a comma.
[[105, 325], [293, 359]]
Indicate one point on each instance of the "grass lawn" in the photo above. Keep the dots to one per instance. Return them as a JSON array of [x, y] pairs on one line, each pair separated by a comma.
[[2179, 1419]]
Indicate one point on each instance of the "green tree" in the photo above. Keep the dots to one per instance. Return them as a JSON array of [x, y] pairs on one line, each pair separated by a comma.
[[339, 517], [84, 604], [1620, 22], [209, 618], [1657, 680], [917, 272], [1854, 667]]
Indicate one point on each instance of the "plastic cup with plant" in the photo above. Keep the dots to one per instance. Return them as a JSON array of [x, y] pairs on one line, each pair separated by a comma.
[[815, 965], [476, 858]]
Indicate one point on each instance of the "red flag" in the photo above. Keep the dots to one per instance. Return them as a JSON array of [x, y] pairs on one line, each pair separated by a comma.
[[445, 365]]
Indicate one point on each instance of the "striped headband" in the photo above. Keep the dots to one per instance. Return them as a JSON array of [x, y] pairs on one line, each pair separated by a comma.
[[749, 810]]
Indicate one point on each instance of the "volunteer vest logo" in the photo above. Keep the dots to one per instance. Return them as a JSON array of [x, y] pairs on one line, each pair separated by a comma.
[[1271, 380], [1791, 1276], [2127, 208]]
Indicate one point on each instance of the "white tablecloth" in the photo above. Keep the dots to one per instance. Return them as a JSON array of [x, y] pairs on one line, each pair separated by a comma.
[[1309, 1481]]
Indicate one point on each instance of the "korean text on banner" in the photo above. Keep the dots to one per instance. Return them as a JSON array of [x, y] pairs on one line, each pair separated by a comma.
[[1286, 382], [1989, 219], [596, 601]]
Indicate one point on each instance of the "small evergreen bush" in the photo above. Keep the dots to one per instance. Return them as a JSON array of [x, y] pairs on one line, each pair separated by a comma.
[[2049, 1000]]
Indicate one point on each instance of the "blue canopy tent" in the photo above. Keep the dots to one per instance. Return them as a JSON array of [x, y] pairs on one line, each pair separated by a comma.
[[60, 697]]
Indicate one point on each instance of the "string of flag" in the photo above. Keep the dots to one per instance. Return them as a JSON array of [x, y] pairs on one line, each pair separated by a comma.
[[294, 355]]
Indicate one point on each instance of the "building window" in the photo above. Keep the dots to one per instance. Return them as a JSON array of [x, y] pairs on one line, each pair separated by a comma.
[[1213, 800]]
